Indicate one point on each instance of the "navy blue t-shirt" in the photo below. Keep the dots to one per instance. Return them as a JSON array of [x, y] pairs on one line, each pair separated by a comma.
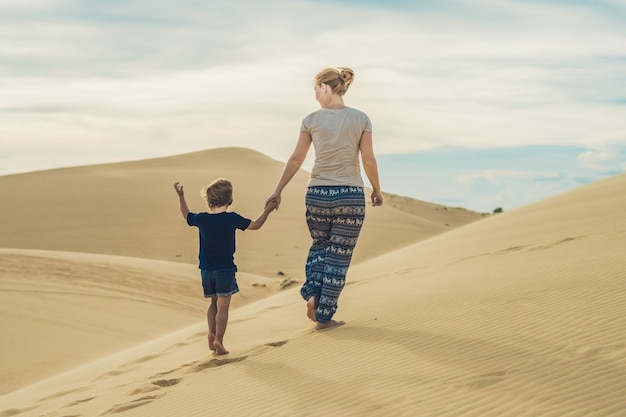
[[217, 237]]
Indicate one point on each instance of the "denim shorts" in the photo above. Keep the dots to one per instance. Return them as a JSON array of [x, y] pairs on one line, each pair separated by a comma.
[[220, 282]]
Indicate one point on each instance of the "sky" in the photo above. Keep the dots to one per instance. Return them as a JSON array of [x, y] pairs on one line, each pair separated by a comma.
[[477, 104]]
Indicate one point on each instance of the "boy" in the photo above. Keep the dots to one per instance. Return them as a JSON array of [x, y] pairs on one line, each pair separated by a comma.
[[216, 253]]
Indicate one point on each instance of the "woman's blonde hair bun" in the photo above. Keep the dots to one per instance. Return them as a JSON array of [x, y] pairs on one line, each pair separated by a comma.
[[338, 79]]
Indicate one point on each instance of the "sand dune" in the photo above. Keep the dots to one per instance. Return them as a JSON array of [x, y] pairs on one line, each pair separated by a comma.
[[68, 282], [130, 209], [520, 314], [79, 307]]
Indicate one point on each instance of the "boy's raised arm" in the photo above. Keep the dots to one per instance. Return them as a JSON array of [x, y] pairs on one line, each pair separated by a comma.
[[181, 197]]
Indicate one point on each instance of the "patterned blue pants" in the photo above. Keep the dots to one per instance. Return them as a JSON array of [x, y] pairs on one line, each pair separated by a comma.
[[335, 217]]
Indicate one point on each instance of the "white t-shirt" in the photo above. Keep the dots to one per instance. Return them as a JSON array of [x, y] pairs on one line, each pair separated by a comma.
[[336, 135]]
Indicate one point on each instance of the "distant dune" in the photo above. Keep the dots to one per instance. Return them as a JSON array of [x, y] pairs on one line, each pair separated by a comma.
[[130, 209], [102, 255], [519, 314]]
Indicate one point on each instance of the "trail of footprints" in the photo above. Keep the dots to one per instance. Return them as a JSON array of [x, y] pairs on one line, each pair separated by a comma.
[[529, 248], [152, 391]]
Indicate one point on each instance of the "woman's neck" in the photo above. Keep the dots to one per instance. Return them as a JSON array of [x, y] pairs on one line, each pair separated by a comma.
[[335, 102]]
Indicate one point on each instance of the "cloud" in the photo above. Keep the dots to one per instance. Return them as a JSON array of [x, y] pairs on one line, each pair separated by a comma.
[[594, 159], [491, 176], [482, 179], [139, 78], [609, 159]]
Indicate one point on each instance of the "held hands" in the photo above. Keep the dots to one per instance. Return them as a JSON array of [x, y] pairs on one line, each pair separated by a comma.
[[179, 189], [271, 206], [273, 200]]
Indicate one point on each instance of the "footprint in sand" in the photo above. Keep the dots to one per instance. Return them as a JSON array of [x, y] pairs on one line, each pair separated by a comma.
[[146, 399], [133, 404], [560, 242], [213, 363], [155, 386], [276, 344], [171, 371], [166, 382], [78, 402], [145, 390], [509, 250]]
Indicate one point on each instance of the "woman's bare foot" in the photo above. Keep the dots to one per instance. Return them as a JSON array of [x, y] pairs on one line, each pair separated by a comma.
[[329, 325], [211, 341], [219, 348], [311, 308]]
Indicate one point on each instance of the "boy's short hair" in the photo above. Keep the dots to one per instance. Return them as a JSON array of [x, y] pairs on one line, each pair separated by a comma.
[[219, 193]]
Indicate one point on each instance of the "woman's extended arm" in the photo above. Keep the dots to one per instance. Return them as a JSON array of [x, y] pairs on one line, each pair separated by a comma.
[[291, 167], [371, 167]]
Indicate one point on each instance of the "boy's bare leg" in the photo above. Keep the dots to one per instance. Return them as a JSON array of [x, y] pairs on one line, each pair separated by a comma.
[[329, 325], [311, 308], [221, 320], [210, 318]]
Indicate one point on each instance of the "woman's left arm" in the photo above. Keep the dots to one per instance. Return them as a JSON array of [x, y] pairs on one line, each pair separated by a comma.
[[371, 167]]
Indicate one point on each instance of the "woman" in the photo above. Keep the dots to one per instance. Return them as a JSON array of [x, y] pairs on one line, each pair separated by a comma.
[[335, 202]]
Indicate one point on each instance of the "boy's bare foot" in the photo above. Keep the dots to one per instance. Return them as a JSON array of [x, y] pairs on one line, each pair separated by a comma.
[[211, 341], [219, 348], [311, 308], [331, 324]]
